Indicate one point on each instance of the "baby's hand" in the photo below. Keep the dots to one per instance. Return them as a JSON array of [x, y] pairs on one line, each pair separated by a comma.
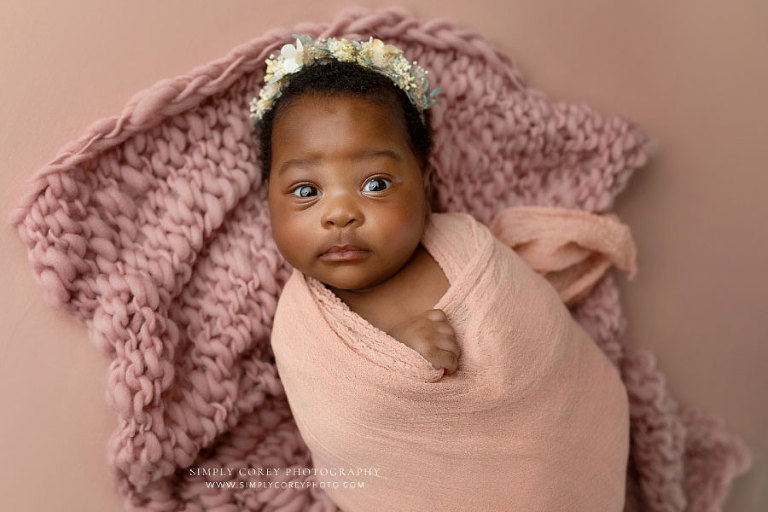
[[430, 334]]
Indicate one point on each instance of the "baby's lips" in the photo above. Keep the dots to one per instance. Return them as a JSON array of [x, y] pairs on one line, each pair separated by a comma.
[[352, 244]]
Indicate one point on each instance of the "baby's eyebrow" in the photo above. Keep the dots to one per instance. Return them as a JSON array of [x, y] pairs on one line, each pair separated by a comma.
[[361, 155]]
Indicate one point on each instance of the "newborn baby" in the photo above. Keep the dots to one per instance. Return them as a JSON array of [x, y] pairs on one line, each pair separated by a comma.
[[349, 203], [427, 366]]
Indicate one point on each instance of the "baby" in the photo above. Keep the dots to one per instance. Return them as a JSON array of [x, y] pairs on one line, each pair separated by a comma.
[[414, 346], [345, 159]]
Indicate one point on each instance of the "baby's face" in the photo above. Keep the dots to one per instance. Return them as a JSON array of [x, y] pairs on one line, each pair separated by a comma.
[[342, 173]]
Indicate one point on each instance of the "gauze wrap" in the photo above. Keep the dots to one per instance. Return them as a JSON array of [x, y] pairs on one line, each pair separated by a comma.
[[536, 416]]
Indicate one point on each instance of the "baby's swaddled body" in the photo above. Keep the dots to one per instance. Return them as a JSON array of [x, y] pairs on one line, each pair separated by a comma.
[[535, 418]]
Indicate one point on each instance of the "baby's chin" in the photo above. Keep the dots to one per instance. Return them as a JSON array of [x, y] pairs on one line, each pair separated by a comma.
[[350, 284]]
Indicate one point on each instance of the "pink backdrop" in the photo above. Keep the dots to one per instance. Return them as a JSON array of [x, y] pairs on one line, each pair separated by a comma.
[[693, 75]]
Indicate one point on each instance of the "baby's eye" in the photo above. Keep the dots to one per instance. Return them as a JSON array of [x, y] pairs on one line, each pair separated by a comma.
[[378, 188], [303, 190]]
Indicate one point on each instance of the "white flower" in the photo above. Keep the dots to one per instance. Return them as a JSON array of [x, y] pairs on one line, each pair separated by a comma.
[[293, 57]]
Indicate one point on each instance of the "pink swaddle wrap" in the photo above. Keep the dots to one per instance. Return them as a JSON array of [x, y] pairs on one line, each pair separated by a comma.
[[536, 416]]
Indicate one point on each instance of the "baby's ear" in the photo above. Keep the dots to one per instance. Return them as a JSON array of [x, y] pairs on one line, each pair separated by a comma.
[[428, 192], [426, 178]]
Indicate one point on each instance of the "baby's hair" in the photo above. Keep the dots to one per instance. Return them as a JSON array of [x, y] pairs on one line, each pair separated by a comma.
[[336, 77]]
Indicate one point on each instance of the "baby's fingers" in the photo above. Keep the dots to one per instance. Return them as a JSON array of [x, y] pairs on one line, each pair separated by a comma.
[[447, 342], [445, 359], [439, 321], [437, 315], [444, 328]]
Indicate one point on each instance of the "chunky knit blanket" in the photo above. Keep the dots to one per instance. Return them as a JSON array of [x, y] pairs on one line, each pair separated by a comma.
[[152, 230], [535, 417]]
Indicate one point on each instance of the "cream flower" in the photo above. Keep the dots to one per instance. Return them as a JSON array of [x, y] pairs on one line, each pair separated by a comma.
[[273, 66], [402, 70], [381, 54], [342, 50], [269, 90]]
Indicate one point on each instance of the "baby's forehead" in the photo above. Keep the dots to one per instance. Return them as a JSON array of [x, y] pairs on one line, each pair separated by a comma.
[[341, 116], [383, 105]]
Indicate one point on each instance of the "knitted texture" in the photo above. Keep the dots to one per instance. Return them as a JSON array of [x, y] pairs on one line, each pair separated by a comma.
[[152, 230]]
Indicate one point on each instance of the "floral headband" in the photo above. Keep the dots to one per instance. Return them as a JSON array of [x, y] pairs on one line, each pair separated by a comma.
[[373, 54]]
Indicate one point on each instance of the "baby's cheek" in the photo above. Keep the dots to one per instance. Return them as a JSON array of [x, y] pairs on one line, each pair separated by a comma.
[[406, 220], [288, 242], [400, 242]]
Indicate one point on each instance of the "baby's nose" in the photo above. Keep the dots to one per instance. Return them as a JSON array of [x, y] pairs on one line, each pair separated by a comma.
[[340, 219], [342, 212]]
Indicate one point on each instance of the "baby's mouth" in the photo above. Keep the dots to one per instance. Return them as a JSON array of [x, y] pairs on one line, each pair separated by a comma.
[[345, 253]]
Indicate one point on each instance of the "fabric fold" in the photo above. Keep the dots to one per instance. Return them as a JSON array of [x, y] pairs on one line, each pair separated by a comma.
[[571, 248]]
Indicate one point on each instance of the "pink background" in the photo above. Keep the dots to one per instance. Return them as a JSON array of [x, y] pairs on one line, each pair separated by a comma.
[[694, 73]]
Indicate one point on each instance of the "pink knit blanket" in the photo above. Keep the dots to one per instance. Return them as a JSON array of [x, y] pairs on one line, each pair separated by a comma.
[[536, 416], [152, 230]]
